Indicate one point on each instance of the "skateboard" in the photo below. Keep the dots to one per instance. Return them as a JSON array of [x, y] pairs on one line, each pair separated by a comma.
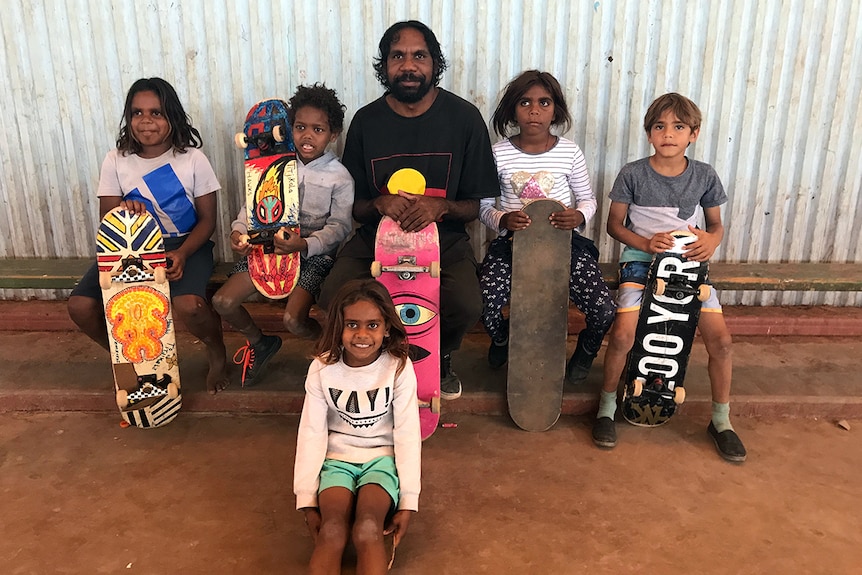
[[538, 318], [667, 322], [408, 264], [271, 196], [137, 301]]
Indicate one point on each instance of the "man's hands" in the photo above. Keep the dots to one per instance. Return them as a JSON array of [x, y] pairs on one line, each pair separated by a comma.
[[413, 212]]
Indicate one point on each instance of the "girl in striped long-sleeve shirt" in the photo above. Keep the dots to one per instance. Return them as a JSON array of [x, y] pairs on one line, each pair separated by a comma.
[[535, 163]]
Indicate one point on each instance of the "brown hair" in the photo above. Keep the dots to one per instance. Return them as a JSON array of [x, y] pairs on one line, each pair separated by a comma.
[[329, 348], [684, 109], [504, 115]]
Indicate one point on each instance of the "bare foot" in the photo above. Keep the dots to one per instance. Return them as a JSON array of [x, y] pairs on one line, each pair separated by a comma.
[[217, 379]]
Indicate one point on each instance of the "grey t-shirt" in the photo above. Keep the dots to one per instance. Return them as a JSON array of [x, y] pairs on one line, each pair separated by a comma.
[[660, 203]]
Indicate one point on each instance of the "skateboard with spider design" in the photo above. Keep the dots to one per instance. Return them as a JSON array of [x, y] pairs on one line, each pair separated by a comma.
[[408, 264], [137, 301], [667, 322], [271, 196]]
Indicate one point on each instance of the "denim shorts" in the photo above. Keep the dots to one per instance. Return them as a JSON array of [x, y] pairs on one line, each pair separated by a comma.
[[380, 471], [633, 278]]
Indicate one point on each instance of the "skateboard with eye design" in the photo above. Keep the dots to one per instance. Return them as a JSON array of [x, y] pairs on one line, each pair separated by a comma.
[[408, 264]]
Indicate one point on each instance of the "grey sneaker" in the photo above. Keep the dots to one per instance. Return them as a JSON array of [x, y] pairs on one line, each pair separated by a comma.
[[450, 385], [253, 358]]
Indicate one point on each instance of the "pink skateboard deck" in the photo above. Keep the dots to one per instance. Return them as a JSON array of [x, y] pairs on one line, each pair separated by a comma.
[[137, 302], [272, 196], [408, 264]]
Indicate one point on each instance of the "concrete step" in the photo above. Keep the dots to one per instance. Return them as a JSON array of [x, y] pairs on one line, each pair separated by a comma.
[[789, 376]]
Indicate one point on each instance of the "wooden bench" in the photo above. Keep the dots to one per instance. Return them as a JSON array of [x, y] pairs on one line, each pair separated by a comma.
[[33, 273]]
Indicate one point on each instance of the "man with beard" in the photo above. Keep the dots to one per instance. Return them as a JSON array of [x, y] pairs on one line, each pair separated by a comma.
[[416, 124]]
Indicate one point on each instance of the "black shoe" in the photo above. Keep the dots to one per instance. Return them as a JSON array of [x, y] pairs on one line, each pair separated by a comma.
[[727, 443], [605, 432], [255, 357], [450, 385], [578, 366], [498, 354]]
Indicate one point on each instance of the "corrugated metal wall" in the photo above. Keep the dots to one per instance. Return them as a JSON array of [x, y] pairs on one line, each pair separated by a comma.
[[779, 83]]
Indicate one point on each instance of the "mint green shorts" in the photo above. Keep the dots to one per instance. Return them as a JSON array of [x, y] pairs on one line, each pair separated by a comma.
[[380, 471]]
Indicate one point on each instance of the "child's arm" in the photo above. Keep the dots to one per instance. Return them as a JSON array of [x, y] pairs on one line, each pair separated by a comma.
[[707, 241], [238, 232], [312, 439], [337, 226], [617, 229]]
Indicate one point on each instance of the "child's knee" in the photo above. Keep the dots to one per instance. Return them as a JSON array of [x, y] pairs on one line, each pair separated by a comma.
[[622, 333], [85, 310], [191, 308], [719, 346], [333, 533], [224, 304], [366, 531]]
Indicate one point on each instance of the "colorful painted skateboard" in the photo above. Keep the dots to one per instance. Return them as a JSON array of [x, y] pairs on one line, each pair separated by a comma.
[[271, 196], [538, 318], [137, 301], [667, 322], [408, 264]]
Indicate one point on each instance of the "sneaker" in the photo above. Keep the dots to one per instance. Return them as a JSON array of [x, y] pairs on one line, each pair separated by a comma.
[[498, 354], [578, 366], [253, 358], [727, 443], [450, 385], [605, 432]]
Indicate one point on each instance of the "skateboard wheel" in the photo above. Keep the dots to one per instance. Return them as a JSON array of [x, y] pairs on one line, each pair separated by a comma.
[[376, 269], [435, 269], [435, 404], [278, 133], [678, 395], [105, 280], [703, 292], [240, 141], [660, 286], [173, 390], [160, 275], [638, 387], [122, 399]]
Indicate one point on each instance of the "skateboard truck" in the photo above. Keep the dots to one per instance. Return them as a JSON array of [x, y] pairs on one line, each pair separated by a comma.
[[262, 140], [656, 384], [406, 268], [148, 386]]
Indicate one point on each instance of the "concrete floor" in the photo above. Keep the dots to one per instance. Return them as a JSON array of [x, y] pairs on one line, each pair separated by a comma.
[[212, 491], [211, 494]]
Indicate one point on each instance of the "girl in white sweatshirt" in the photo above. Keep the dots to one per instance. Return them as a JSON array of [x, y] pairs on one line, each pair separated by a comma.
[[358, 449]]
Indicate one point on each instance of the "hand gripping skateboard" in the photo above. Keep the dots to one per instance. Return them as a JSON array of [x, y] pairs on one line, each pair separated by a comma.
[[137, 301], [538, 318], [408, 264], [667, 322], [271, 196]]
